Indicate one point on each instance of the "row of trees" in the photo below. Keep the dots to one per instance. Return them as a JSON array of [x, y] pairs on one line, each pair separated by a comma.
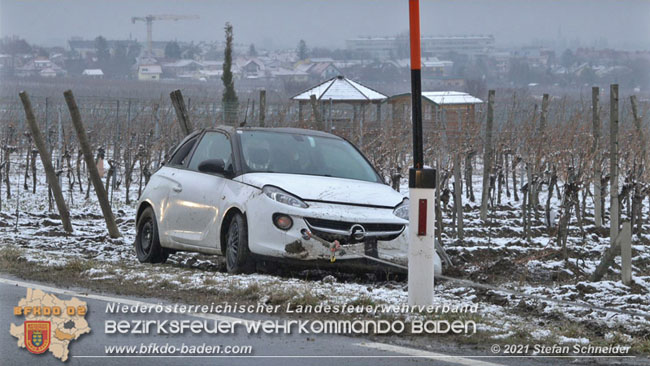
[[119, 61]]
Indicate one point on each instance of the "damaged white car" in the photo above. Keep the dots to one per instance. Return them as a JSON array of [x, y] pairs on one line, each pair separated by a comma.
[[281, 193]]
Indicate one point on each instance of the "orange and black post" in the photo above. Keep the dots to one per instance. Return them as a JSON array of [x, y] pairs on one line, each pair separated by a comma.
[[422, 185], [418, 176], [416, 83]]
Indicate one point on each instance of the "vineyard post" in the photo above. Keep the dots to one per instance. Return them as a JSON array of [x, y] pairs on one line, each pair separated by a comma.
[[181, 112], [102, 197], [458, 196], [47, 162], [537, 170], [377, 113], [262, 107], [458, 182], [48, 148], [598, 210], [637, 206], [116, 146], [613, 163], [59, 141], [612, 252], [362, 110], [487, 156], [316, 112], [626, 253]]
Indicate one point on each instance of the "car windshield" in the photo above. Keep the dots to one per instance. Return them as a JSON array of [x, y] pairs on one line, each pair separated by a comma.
[[293, 153]]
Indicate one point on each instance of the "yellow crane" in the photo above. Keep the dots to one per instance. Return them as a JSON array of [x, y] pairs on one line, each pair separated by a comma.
[[149, 20]]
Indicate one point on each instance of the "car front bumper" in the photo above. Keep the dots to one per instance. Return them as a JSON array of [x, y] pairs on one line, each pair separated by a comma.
[[266, 239]]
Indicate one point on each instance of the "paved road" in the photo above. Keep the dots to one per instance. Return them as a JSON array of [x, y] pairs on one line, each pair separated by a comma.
[[280, 350]]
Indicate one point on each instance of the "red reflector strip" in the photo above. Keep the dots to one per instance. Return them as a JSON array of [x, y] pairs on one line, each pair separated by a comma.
[[422, 217]]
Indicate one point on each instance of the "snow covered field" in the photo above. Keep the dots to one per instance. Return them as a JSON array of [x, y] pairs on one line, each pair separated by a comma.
[[493, 253]]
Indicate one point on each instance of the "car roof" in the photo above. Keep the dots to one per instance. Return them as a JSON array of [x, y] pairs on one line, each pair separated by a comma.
[[298, 131]]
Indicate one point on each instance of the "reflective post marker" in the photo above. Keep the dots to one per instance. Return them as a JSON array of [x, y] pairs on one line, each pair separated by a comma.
[[422, 185]]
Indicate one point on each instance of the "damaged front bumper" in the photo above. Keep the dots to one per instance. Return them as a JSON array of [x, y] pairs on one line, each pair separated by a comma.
[[358, 230]]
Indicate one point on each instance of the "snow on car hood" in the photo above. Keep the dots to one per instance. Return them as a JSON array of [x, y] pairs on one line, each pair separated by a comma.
[[318, 188]]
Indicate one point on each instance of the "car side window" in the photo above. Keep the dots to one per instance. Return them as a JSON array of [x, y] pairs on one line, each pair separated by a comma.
[[213, 145], [183, 152]]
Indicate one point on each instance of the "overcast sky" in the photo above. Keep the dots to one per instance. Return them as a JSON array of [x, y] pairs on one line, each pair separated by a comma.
[[281, 23]]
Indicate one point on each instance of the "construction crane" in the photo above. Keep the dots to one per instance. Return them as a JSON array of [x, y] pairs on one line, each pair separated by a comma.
[[149, 20]]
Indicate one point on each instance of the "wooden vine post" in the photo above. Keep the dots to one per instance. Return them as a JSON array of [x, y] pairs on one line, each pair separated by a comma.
[[317, 117], [637, 200], [598, 208], [181, 112], [487, 157], [613, 163], [102, 197], [47, 162], [262, 107]]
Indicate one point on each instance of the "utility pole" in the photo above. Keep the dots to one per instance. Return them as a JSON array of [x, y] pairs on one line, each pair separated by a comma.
[[422, 184]]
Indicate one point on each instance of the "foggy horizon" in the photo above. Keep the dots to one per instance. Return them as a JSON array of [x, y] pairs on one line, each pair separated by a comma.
[[281, 24]]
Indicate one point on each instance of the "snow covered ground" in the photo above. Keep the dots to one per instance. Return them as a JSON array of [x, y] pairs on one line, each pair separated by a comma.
[[492, 253]]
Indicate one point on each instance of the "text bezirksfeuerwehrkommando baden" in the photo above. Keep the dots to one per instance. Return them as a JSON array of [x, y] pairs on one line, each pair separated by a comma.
[[302, 326]]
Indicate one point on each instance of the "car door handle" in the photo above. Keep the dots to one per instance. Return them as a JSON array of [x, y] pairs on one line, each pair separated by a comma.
[[177, 188]]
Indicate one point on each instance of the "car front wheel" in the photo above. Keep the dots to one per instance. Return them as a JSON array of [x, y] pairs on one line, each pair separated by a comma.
[[147, 242], [238, 259]]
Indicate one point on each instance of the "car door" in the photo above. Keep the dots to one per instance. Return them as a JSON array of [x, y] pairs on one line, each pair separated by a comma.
[[167, 181], [196, 202]]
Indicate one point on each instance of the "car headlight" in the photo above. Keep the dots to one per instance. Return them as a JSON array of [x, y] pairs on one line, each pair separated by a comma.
[[402, 210], [281, 196]]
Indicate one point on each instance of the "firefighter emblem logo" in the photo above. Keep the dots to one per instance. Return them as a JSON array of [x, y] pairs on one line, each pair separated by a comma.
[[37, 336]]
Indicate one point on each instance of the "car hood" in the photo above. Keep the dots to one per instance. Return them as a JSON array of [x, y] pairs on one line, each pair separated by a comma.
[[328, 189]]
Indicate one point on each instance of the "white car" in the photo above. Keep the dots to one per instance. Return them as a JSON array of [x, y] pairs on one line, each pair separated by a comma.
[[287, 193]]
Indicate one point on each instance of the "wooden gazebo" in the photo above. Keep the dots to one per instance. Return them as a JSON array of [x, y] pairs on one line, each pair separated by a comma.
[[341, 90]]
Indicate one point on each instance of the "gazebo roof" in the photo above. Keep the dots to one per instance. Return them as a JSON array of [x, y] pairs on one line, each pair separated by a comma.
[[341, 89], [443, 97], [451, 97]]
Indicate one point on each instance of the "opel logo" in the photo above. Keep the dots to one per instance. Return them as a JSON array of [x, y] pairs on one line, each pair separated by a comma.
[[358, 232]]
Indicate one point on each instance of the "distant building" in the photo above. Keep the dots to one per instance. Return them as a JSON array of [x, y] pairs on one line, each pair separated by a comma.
[[451, 112], [187, 69], [252, 66], [375, 47], [390, 47], [149, 72], [435, 68], [86, 47], [93, 73], [40, 67], [319, 69], [448, 83], [181, 69], [48, 73], [287, 75]]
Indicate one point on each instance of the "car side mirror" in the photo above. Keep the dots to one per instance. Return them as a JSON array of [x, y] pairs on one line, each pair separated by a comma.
[[215, 166]]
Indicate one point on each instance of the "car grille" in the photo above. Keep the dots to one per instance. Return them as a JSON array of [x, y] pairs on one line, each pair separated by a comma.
[[341, 230]]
